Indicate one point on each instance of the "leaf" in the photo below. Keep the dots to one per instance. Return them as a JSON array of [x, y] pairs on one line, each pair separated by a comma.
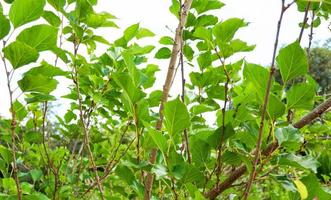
[[276, 107], [98, 20], [289, 137], [19, 110], [46, 70], [51, 18], [144, 32], [258, 75], [292, 61], [5, 26], [176, 116], [19, 54], [301, 96], [203, 33], [225, 31], [166, 40], [315, 188], [41, 37], [202, 6], [135, 74], [57, 4], [200, 151], [37, 83], [301, 189], [304, 162], [163, 53], [24, 11], [159, 140], [188, 52], [131, 32]]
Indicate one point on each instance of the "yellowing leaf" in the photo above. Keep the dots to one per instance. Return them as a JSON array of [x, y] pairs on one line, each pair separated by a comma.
[[301, 189]]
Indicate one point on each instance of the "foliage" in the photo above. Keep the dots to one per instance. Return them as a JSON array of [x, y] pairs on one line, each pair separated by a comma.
[[103, 146]]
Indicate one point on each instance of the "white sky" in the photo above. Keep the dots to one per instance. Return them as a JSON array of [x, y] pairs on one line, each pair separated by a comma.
[[154, 15]]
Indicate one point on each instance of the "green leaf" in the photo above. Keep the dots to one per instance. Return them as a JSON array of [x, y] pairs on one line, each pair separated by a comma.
[[163, 53], [9, 185], [200, 151], [292, 61], [51, 18], [33, 137], [203, 33], [188, 52], [166, 40], [97, 20], [315, 188], [19, 54], [176, 116], [41, 37], [57, 4], [300, 96], [24, 11], [5, 26], [225, 31], [258, 75], [131, 32], [289, 137], [37, 83], [39, 97], [276, 107], [46, 70], [159, 140], [144, 32], [304, 162], [302, 189], [202, 6], [19, 110], [135, 74]]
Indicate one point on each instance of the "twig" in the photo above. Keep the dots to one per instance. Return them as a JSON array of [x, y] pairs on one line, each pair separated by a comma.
[[304, 21], [13, 125], [166, 88], [86, 142], [264, 107]]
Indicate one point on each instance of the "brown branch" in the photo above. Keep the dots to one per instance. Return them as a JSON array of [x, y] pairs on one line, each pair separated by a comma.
[[166, 88], [237, 173], [185, 134], [317, 112], [12, 125], [220, 145], [304, 21], [265, 105], [86, 142], [311, 33]]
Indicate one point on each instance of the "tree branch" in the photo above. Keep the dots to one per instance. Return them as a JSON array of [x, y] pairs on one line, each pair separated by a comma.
[[166, 88]]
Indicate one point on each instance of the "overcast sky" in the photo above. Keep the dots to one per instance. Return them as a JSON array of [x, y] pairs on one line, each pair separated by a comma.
[[154, 14]]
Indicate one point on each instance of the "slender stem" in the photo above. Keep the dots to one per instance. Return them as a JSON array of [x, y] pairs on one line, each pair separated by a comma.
[[311, 33], [220, 145], [304, 21], [185, 133], [264, 107], [166, 88], [12, 126], [86, 142]]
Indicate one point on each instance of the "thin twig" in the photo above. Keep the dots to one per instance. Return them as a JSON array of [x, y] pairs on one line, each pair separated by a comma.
[[264, 107], [166, 88]]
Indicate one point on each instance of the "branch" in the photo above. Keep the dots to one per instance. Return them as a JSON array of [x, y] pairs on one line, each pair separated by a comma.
[[304, 21], [265, 105], [237, 173], [166, 88]]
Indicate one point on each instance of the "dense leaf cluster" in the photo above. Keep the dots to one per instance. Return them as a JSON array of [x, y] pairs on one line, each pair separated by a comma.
[[229, 134]]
